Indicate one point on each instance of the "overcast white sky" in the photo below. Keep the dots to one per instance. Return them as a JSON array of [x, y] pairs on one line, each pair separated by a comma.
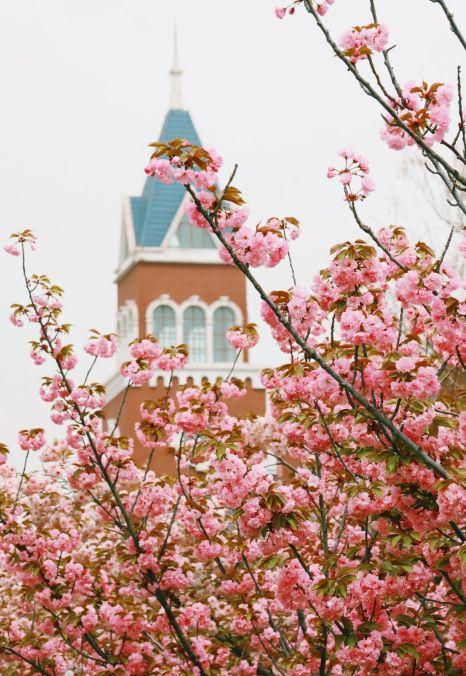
[[84, 89]]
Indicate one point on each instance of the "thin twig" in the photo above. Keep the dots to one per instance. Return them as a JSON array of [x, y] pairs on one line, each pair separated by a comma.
[[444, 252], [149, 575], [23, 473], [462, 129], [169, 529], [369, 89], [120, 410], [313, 354], [451, 20]]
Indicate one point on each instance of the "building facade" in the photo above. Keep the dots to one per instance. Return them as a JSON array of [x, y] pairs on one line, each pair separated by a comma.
[[172, 284]]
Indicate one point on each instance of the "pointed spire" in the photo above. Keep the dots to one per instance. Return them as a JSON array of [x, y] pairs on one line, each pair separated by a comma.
[[176, 101]]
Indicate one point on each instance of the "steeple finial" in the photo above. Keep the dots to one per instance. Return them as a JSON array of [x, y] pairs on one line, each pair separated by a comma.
[[176, 101]]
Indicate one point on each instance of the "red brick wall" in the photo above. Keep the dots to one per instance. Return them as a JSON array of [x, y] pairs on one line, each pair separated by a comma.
[[163, 463], [146, 282]]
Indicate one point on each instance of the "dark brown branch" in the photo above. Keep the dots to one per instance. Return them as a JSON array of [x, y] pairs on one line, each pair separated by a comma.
[[365, 228], [312, 354], [169, 530], [32, 663], [451, 20], [462, 129], [161, 598], [120, 410], [302, 562], [444, 252], [369, 89], [159, 594]]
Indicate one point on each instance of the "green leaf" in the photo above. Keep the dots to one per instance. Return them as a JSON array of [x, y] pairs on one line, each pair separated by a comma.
[[393, 463], [408, 649], [351, 641], [367, 627]]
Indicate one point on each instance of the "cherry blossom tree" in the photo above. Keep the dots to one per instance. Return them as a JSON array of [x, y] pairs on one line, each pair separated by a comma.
[[349, 558]]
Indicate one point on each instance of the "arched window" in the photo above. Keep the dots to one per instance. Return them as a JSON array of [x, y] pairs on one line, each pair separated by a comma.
[[194, 333], [224, 318], [164, 322]]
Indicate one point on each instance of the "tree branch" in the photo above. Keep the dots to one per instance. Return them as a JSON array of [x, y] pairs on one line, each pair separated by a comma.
[[451, 20], [312, 354], [369, 89]]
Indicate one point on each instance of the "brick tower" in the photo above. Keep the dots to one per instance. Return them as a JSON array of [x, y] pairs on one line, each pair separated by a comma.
[[171, 283]]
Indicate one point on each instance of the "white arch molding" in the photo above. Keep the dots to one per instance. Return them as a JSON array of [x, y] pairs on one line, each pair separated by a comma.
[[164, 299], [196, 301], [224, 301], [127, 327]]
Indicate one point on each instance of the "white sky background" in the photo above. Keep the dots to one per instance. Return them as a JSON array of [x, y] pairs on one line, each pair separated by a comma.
[[84, 89]]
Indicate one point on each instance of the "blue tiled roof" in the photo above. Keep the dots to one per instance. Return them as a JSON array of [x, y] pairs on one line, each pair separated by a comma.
[[155, 210]]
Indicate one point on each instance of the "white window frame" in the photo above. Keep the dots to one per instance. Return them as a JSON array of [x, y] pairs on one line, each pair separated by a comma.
[[224, 301], [164, 299], [195, 301], [179, 308], [128, 316]]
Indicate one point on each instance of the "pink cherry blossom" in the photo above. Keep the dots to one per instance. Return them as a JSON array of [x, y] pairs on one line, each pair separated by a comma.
[[324, 537], [425, 110], [12, 249], [101, 346], [31, 440], [242, 338], [361, 41], [356, 168]]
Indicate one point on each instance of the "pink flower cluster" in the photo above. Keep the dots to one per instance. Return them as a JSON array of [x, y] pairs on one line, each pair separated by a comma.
[[327, 537], [356, 167], [12, 249], [65, 355], [197, 169], [452, 504], [267, 246], [243, 337], [101, 345], [18, 240], [174, 170], [31, 440], [360, 42], [425, 110], [302, 310], [236, 480], [148, 356], [322, 7]]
